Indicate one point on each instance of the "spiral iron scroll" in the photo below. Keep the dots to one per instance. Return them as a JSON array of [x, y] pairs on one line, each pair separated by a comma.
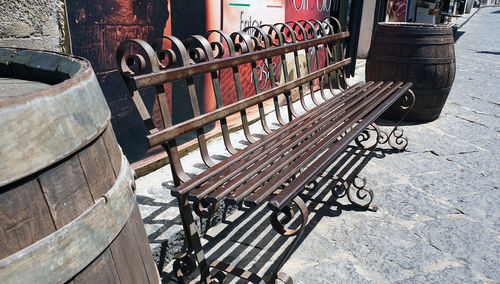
[[365, 140], [135, 57], [279, 225], [205, 209], [184, 264], [395, 138]]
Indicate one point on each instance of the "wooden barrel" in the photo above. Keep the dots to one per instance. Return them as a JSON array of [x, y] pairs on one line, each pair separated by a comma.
[[420, 53], [67, 206]]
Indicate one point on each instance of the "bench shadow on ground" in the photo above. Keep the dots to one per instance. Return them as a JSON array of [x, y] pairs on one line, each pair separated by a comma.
[[161, 225], [247, 240]]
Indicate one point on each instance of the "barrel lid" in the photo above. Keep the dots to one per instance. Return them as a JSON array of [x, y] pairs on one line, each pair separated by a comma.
[[51, 106], [414, 28]]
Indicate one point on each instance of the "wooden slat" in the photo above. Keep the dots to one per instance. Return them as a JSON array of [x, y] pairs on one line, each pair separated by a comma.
[[291, 190], [258, 146], [308, 147], [278, 148], [144, 248], [66, 191], [114, 152], [101, 270], [128, 261], [24, 217], [97, 168]]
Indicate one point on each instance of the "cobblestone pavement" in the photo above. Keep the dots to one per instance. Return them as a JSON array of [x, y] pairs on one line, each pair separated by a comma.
[[438, 217]]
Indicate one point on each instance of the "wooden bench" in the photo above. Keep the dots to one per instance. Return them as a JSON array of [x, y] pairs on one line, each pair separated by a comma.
[[276, 168]]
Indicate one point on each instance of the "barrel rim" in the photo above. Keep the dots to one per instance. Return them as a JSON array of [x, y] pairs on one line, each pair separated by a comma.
[[83, 111], [413, 25], [415, 28], [80, 75]]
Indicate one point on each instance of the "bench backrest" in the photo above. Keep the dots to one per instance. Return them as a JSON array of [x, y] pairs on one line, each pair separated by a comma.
[[144, 66]]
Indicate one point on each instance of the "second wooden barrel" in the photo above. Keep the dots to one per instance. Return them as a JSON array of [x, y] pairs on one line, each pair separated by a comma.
[[68, 212], [412, 52]]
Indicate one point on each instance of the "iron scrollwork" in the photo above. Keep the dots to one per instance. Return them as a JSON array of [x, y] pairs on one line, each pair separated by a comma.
[[280, 227], [365, 139], [205, 209], [395, 138], [359, 196]]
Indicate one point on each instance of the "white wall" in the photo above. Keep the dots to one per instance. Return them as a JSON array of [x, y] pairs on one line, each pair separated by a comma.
[[413, 8], [365, 33]]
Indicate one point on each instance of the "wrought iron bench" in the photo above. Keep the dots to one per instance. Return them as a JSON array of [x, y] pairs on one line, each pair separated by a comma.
[[276, 168]]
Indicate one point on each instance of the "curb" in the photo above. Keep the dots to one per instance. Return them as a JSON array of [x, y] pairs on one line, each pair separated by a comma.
[[465, 22]]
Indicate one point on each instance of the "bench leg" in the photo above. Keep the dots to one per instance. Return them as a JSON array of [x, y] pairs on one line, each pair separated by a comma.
[[395, 138], [184, 263], [193, 245], [279, 226], [354, 185]]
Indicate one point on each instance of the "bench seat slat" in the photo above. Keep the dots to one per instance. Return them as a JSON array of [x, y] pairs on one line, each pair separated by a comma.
[[349, 118], [287, 138], [315, 133], [257, 146], [290, 191]]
